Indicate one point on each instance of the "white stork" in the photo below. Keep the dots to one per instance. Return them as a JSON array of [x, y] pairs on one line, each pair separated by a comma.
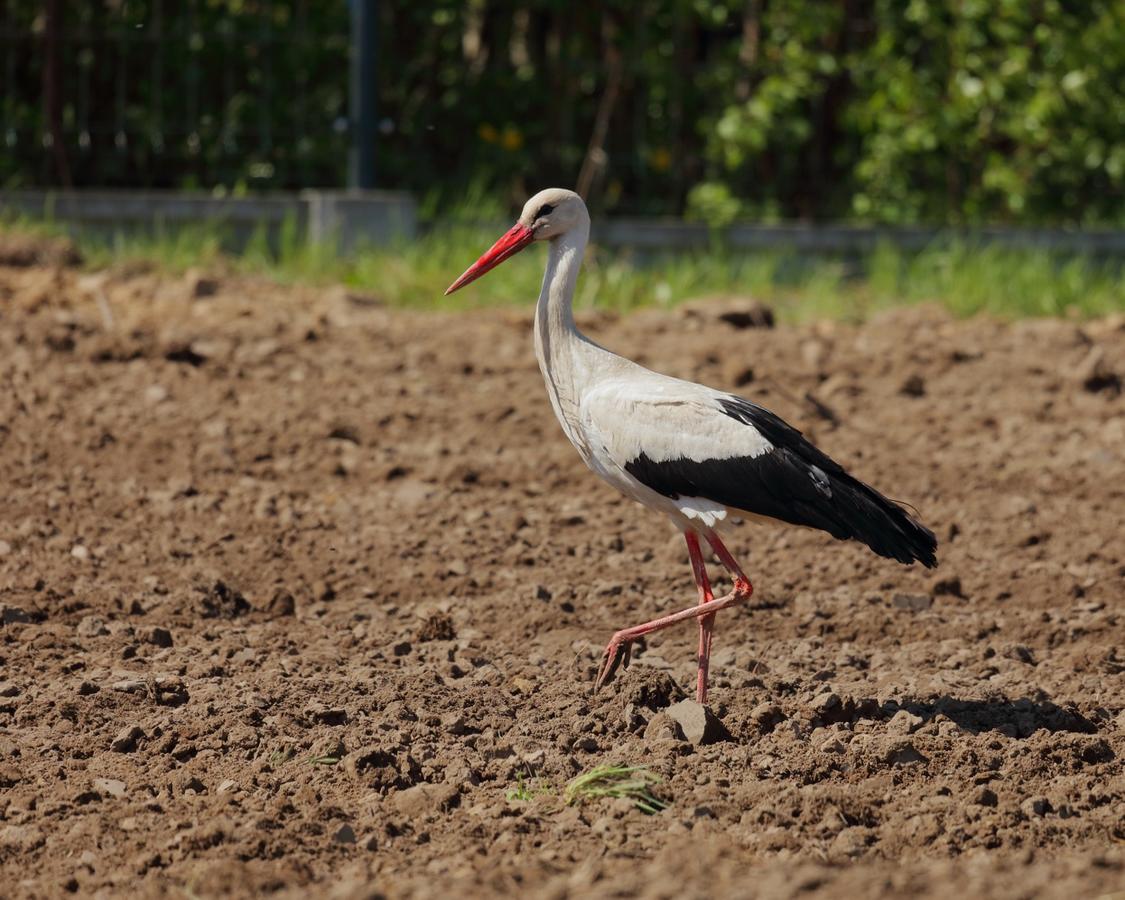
[[698, 455]]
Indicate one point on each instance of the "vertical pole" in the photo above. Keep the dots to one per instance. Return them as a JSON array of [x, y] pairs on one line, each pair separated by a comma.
[[361, 162]]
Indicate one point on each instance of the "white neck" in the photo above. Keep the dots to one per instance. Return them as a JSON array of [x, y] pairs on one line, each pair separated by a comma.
[[557, 338], [554, 312], [555, 331]]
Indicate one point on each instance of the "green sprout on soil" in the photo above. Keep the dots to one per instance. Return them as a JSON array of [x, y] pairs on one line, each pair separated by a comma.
[[630, 782], [280, 757], [523, 791], [323, 760]]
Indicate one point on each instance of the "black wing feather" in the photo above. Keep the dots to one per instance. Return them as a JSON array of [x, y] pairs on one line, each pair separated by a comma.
[[796, 483]]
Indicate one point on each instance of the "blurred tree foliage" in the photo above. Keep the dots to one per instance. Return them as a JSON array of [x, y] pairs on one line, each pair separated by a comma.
[[956, 111]]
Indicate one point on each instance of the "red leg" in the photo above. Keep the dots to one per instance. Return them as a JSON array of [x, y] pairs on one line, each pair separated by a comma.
[[618, 649], [741, 582], [706, 623]]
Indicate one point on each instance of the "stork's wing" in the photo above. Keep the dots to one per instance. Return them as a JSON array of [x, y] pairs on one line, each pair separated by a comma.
[[684, 440], [665, 420]]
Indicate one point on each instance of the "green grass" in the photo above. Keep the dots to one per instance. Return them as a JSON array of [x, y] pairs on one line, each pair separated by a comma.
[[964, 278], [282, 756], [632, 783], [524, 791]]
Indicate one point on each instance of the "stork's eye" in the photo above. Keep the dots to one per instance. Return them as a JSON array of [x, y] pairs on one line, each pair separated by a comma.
[[545, 210]]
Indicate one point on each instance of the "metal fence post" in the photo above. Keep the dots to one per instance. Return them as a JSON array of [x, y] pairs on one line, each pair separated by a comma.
[[361, 162]]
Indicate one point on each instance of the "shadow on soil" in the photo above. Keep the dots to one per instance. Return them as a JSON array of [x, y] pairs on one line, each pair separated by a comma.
[[1018, 718]]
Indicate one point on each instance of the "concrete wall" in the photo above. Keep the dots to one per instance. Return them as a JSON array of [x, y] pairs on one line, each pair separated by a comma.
[[355, 218]]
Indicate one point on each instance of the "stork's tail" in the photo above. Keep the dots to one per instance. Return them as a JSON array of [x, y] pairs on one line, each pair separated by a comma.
[[861, 513]]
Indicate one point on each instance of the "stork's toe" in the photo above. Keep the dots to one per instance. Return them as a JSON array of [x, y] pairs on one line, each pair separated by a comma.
[[616, 655]]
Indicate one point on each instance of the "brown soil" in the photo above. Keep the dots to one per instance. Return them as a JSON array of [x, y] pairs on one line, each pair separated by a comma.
[[295, 589]]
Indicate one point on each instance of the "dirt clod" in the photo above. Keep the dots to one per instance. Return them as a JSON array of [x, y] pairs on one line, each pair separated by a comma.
[[13, 614], [126, 739], [161, 637], [345, 834], [437, 626], [219, 600], [913, 386]]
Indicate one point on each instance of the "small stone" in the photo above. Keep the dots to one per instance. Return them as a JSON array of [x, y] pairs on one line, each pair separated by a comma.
[[912, 602], [110, 786], [698, 723], [126, 740], [79, 551], [226, 785], [904, 722], [345, 835], [161, 637]]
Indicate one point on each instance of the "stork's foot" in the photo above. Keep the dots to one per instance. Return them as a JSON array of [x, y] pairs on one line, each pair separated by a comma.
[[616, 655], [617, 652]]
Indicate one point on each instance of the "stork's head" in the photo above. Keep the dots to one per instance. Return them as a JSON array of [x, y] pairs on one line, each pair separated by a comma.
[[548, 214]]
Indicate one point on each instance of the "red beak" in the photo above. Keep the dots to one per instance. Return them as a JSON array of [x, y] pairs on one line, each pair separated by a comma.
[[514, 240]]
